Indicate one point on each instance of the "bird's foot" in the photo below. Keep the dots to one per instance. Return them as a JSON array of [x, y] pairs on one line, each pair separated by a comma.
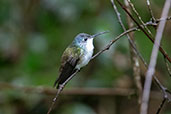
[[61, 86]]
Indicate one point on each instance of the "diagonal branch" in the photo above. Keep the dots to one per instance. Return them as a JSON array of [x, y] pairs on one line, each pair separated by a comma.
[[161, 105], [97, 54], [113, 41], [139, 17], [151, 68], [60, 90], [160, 48], [106, 48], [165, 91], [133, 53], [167, 66], [150, 10]]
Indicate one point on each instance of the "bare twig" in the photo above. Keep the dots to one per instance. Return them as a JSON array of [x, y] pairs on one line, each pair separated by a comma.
[[59, 91], [151, 68], [106, 48], [167, 67], [118, 16], [70, 91], [97, 54], [161, 19], [150, 10], [134, 58], [113, 41], [74, 91], [122, 34], [160, 48], [161, 105], [139, 17], [165, 91]]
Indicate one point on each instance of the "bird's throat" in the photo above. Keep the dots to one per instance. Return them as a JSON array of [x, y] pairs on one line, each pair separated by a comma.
[[87, 54], [89, 45]]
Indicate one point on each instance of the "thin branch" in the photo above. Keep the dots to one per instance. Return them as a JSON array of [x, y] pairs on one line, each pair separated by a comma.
[[97, 54], [134, 56], [160, 48], [71, 91], [139, 17], [106, 48], [119, 17], [167, 67], [113, 41], [74, 91], [60, 90], [165, 91], [161, 19], [151, 68], [161, 105], [150, 10]]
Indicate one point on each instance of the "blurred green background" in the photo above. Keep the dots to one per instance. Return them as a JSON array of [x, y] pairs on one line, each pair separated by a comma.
[[33, 36]]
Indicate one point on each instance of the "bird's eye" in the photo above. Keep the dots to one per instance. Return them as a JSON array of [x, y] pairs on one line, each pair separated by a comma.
[[85, 39]]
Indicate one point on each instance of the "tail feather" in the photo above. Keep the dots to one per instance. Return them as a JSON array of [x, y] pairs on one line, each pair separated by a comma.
[[67, 71], [56, 82]]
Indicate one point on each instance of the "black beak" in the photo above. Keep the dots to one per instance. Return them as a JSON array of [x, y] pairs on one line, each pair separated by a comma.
[[100, 33]]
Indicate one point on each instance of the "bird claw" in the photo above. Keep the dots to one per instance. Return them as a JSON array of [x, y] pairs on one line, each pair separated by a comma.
[[61, 86]]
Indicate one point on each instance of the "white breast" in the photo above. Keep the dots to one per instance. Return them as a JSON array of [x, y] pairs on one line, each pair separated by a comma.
[[87, 54], [89, 45]]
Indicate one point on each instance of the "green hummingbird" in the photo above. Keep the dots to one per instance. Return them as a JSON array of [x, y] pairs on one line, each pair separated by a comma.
[[76, 56]]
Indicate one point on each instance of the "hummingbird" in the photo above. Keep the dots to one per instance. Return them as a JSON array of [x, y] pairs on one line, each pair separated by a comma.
[[76, 55]]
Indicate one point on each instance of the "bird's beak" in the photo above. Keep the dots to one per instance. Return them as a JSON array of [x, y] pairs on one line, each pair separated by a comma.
[[100, 33]]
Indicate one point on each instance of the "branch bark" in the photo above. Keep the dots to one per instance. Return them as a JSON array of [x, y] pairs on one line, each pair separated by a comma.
[[151, 39], [151, 68], [134, 56], [97, 54]]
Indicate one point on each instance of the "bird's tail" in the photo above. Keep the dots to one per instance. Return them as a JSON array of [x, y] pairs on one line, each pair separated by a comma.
[[63, 77], [55, 84]]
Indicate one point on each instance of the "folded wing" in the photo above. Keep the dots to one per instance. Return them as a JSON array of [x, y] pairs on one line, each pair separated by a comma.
[[69, 62]]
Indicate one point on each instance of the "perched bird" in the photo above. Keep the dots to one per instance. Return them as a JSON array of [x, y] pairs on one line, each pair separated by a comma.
[[76, 56]]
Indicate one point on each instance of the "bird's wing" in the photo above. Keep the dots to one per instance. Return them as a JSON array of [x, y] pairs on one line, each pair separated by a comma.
[[70, 59]]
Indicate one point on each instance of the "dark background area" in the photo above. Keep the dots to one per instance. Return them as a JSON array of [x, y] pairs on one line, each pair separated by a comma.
[[33, 36]]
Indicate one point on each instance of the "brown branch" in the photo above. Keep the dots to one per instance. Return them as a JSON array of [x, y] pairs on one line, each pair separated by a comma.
[[74, 91], [135, 61], [139, 17], [161, 105], [60, 90], [151, 39], [106, 48], [151, 68], [134, 57], [113, 41], [149, 23], [165, 91], [97, 54]]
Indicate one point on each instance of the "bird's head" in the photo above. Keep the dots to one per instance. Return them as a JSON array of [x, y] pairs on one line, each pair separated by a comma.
[[83, 38]]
